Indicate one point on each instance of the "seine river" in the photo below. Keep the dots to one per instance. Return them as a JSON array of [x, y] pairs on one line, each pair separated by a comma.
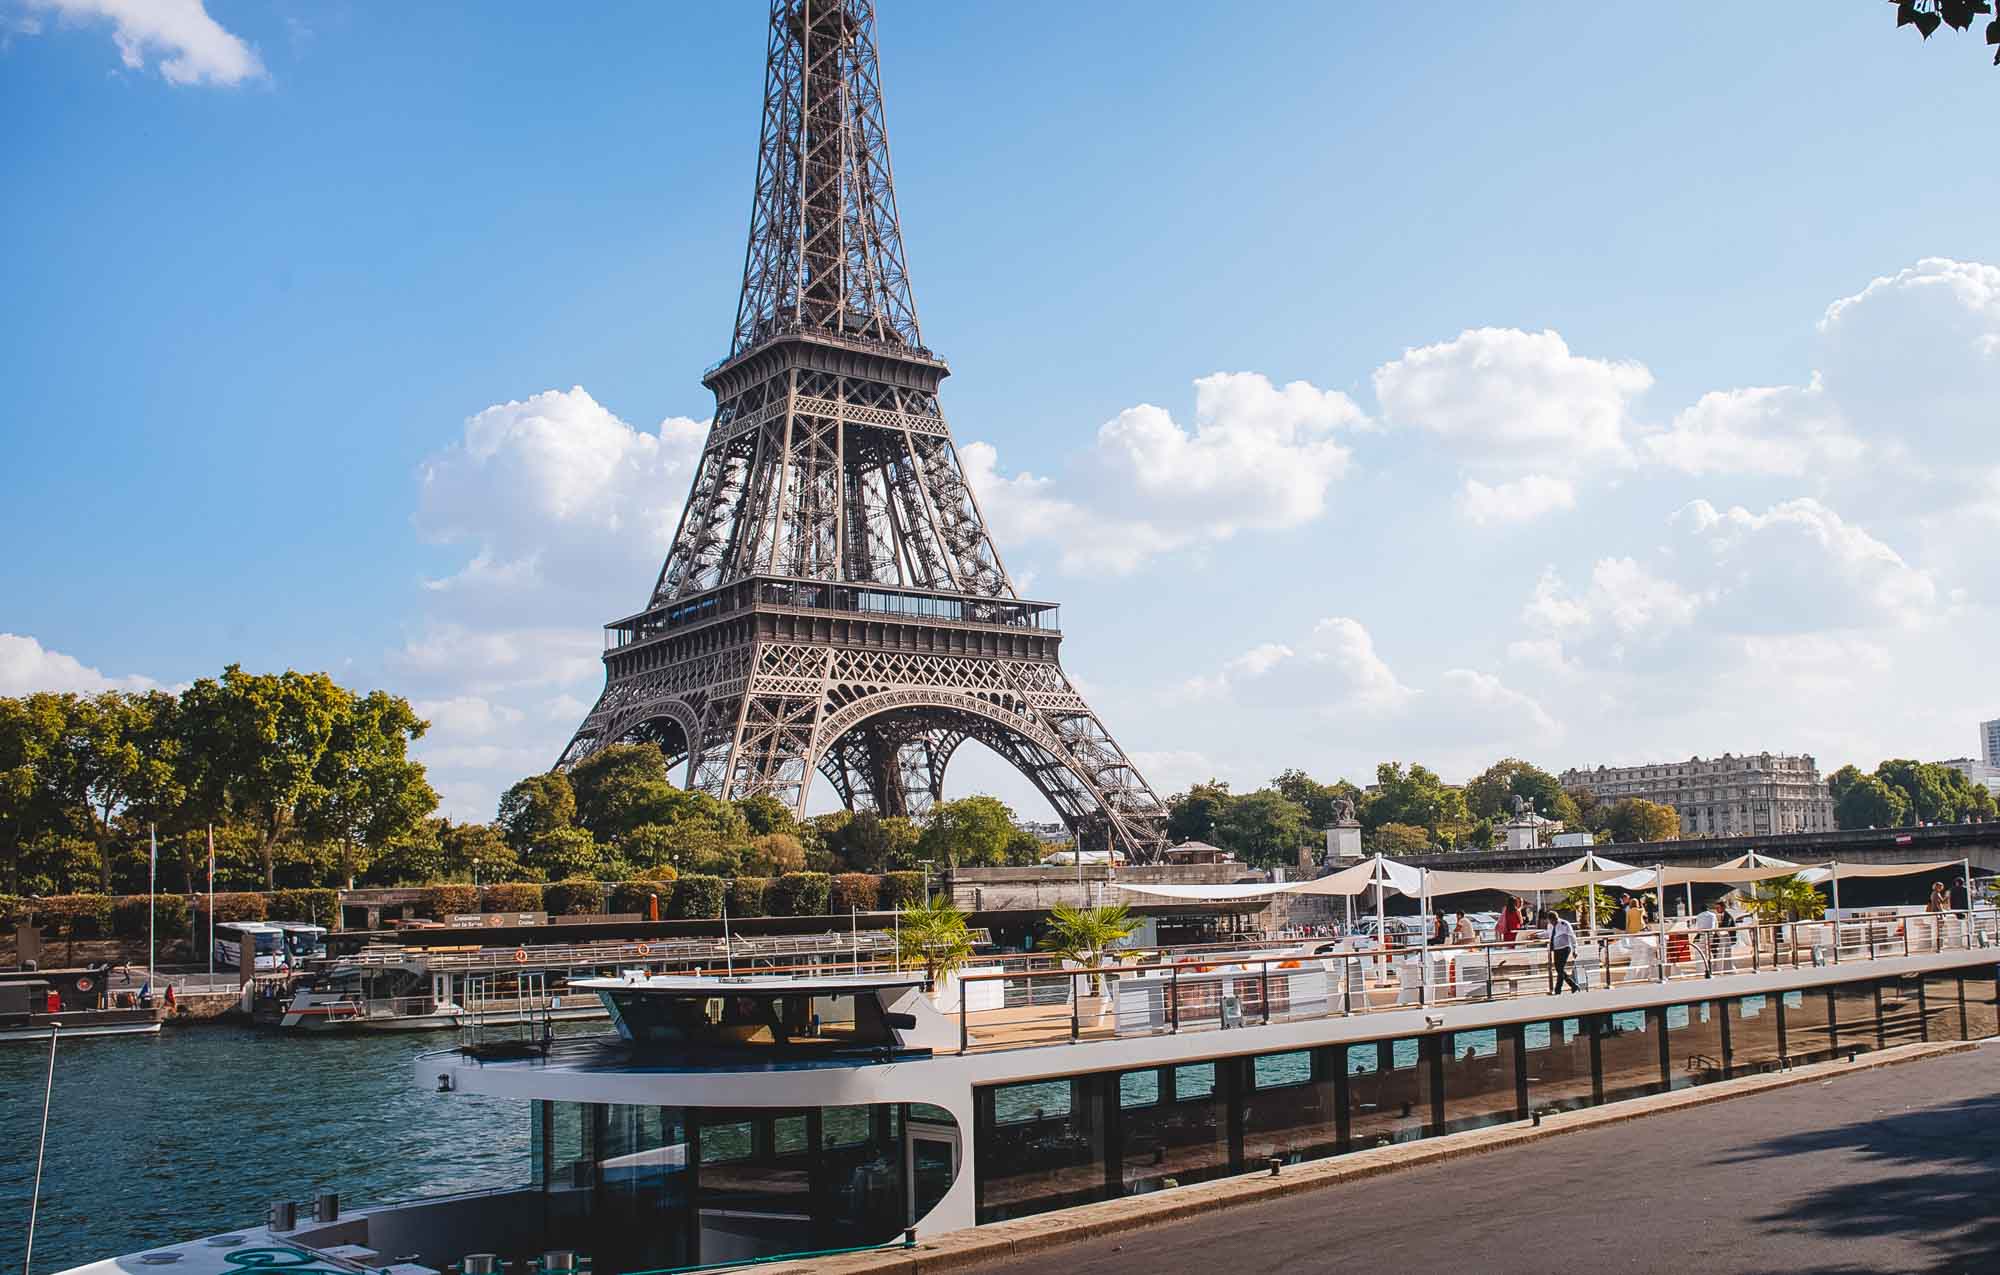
[[159, 1139]]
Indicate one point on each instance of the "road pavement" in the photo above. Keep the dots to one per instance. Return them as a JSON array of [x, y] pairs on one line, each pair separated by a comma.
[[1892, 1169]]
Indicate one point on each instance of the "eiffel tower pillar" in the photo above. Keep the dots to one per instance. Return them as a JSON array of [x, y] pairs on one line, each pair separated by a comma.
[[832, 603]]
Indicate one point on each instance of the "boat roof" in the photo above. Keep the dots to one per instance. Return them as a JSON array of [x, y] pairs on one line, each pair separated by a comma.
[[752, 985]]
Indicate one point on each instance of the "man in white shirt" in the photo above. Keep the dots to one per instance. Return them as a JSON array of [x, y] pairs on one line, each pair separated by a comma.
[[1562, 944], [1704, 924]]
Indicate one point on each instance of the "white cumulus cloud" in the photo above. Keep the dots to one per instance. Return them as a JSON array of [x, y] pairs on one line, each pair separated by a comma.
[[189, 46], [1259, 457], [1522, 500], [26, 666], [1515, 402]]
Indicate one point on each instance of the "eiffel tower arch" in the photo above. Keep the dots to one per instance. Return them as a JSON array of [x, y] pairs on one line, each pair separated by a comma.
[[832, 605]]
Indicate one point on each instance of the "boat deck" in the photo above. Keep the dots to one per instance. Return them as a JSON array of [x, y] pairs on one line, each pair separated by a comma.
[[1290, 982]]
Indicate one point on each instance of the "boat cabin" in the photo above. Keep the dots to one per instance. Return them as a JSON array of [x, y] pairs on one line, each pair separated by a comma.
[[693, 1016]]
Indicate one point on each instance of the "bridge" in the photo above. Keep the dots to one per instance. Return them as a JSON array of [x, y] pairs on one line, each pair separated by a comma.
[[1979, 842]]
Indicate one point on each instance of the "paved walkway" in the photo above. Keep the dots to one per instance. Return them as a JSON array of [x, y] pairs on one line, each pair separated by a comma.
[[1891, 1169]]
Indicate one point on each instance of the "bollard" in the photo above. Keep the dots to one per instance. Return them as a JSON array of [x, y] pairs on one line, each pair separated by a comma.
[[326, 1207], [284, 1215], [559, 1261], [909, 1237], [1276, 1164], [482, 1264]]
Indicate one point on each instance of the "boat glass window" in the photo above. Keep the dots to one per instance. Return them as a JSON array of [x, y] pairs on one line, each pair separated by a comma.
[[1139, 1088], [1037, 1100], [799, 1020], [1196, 1080], [1272, 1071]]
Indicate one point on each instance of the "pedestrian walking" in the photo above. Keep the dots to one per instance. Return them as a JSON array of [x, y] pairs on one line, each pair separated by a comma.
[[1562, 945]]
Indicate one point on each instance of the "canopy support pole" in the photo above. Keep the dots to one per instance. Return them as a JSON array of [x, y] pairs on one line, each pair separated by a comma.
[[1424, 940], [1660, 900], [1381, 918], [1834, 865]]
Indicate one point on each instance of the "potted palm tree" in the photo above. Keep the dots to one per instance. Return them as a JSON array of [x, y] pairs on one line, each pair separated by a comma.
[[934, 936], [1086, 936]]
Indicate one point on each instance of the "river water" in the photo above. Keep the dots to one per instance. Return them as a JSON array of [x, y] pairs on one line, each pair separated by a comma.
[[159, 1139]]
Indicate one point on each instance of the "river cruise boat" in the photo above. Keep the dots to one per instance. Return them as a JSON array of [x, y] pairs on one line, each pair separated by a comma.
[[727, 1118], [34, 1002], [439, 988]]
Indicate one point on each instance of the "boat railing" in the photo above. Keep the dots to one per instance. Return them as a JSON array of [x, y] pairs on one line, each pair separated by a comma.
[[1171, 994], [636, 952]]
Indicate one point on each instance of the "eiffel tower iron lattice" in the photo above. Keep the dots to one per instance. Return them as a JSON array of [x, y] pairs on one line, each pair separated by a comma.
[[832, 602]]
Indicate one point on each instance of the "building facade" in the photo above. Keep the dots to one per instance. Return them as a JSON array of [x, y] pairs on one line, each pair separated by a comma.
[[1979, 772], [1989, 742], [1758, 794]]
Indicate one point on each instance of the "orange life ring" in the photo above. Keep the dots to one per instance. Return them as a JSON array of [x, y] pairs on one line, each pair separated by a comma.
[[645, 950], [521, 956]]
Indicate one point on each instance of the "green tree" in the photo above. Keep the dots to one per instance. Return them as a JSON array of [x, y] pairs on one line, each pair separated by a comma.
[[1087, 935], [765, 814], [622, 786], [1591, 810], [867, 842], [536, 808], [1636, 819], [1262, 828], [774, 855], [367, 792], [269, 733], [1870, 803], [1194, 814], [1414, 796], [1843, 779], [567, 854], [98, 766], [475, 852], [1490, 794], [1398, 838], [971, 831], [1786, 899], [1317, 799], [933, 935], [31, 730]]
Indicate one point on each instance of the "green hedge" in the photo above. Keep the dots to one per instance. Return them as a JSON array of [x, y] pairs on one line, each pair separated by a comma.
[[513, 896], [170, 916], [747, 896], [854, 891], [798, 894], [578, 896], [900, 889], [76, 916], [441, 902], [241, 906], [697, 897], [638, 896], [317, 907]]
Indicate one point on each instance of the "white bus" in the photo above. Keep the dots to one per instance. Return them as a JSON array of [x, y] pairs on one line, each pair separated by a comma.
[[268, 941], [278, 944]]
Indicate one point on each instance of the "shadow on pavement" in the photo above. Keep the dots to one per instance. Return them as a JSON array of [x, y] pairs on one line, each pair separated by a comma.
[[1936, 1175]]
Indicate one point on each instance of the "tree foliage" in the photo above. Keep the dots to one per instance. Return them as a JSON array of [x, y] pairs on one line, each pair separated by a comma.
[[1636, 819], [1928, 15]]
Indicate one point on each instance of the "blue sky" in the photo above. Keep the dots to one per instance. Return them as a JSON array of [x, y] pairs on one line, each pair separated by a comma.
[[1648, 359]]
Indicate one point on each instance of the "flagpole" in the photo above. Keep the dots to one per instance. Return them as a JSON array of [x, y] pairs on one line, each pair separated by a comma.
[[211, 902], [152, 889]]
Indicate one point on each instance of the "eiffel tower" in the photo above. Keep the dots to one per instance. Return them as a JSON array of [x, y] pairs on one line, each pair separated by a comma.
[[832, 602]]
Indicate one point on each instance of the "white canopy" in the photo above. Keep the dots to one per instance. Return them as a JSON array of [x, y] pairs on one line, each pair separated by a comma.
[[1591, 861], [1363, 876]]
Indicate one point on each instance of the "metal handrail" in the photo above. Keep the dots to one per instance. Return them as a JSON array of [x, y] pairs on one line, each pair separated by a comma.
[[1688, 954]]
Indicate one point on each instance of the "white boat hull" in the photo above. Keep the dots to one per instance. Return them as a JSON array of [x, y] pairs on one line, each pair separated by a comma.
[[68, 1033]]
